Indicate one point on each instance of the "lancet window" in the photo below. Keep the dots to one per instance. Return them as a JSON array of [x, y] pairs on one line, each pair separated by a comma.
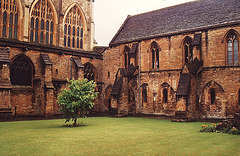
[[155, 55], [232, 49]]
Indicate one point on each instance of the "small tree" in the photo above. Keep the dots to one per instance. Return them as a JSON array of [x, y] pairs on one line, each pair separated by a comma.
[[76, 100]]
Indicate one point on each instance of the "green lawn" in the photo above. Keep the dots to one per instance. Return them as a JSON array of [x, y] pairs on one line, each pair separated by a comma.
[[113, 136]]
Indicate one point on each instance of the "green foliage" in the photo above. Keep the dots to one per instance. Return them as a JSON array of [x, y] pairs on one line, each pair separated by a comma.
[[213, 128], [234, 131], [76, 100], [207, 128]]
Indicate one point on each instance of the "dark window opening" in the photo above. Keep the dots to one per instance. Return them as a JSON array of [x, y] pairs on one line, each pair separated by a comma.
[[21, 72], [213, 96], [144, 94], [165, 95]]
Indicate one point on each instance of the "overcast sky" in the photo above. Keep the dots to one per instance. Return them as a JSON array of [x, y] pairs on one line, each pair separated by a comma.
[[110, 14]]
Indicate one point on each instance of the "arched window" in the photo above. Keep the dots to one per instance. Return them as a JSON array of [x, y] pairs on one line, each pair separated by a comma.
[[232, 49], [21, 71], [213, 95], [89, 72], [155, 55], [188, 50], [126, 57], [73, 29], [165, 95], [9, 13], [41, 26]]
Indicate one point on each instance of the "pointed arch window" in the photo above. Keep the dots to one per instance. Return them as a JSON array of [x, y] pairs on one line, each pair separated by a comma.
[[232, 49], [188, 50], [73, 29], [9, 13], [89, 72], [155, 55], [41, 26], [21, 71], [126, 57]]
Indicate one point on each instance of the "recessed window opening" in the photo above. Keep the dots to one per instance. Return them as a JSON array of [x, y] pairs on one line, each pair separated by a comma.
[[213, 96], [232, 49], [165, 95]]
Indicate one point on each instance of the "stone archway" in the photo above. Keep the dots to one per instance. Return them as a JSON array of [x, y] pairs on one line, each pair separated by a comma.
[[21, 75]]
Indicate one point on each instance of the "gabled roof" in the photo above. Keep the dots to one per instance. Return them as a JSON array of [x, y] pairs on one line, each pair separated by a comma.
[[197, 15]]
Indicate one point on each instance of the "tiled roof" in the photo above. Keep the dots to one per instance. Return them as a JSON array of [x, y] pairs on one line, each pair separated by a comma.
[[180, 18]]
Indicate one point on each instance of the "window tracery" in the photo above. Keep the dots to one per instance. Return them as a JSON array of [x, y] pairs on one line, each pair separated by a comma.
[[155, 55], [41, 27], [88, 72], [9, 16], [188, 50], [73, 29], [232, 49], [21, 71]]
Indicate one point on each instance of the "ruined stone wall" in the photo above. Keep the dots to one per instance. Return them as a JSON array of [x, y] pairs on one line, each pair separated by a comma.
[[212, 51]]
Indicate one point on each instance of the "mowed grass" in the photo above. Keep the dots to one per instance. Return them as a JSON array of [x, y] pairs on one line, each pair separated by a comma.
[[113, 136]]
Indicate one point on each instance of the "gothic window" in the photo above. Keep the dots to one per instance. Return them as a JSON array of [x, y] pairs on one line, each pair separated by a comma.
[[88, 72], [73, 29], [213, 96], [232, 49], [155, 55], [165, 95], [41, 26], [188, 50], [21, 71], [9, 14], [126, 57]]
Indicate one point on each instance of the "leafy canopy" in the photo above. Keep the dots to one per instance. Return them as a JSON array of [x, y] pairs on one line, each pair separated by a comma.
[[76, 100]]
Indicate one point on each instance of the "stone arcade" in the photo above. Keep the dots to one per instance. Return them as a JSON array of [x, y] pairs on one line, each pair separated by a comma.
[[181, 61]]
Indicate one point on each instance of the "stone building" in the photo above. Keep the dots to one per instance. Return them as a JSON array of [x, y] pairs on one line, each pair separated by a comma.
[[42, 44], [180, 61]]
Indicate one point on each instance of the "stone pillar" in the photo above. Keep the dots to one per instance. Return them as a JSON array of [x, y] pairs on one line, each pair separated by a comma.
[[5, 85], [123, 100], [49, 88], [49, 91]]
